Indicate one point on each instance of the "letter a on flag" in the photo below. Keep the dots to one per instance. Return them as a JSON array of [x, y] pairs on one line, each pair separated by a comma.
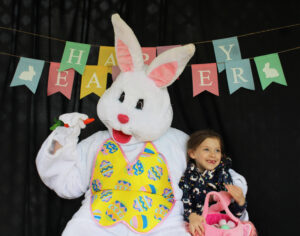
[[93, 80], [269, 70], [205, 77], [75, 56], [28, 73], [239, 74], [107, 57], [60, 81], [227, 49]]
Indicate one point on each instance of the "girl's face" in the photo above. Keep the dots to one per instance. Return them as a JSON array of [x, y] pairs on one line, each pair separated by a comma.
[[208, 154]]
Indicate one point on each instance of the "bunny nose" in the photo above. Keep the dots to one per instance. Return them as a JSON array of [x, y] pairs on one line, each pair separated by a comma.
[[123, 118]]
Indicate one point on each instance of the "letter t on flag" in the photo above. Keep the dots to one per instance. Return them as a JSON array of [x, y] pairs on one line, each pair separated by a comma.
[[75, 56], [205, 77]]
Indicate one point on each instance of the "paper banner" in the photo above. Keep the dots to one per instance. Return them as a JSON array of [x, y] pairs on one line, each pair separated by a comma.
[[28, 73], [60, 81], [149, 53], [205, 77], [269, 70], [227, 49], [107, 57], [239, 74], [75, 56], [93, 80]]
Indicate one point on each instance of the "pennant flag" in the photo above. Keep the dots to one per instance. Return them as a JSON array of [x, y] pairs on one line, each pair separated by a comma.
[[269, 70], [28, 73], [60, 81], [149, 53], [227, 49], [107, 57], [93, 80], [75, 56], [239, 74], [161, 49], [205, 77]]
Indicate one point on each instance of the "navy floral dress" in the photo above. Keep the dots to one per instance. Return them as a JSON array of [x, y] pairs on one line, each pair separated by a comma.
[[195, 185]]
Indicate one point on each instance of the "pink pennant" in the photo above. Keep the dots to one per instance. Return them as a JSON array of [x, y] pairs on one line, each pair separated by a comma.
[[60, 81], [205, 77], [149, 53]]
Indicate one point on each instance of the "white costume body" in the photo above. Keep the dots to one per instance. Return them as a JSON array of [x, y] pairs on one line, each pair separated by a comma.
[[68, 173], [135, 109]]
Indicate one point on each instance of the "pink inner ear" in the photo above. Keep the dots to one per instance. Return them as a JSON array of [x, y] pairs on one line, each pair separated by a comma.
[[123, 56], [164, 74]]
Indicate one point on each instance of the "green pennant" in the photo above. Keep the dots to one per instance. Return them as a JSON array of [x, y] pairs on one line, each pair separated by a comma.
[[75, 56], [269, 70]]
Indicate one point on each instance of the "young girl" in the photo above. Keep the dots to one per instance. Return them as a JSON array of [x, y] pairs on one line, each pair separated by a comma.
[[207, 170]]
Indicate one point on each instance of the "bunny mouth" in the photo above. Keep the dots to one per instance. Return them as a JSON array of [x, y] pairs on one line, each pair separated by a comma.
[[120, 137]]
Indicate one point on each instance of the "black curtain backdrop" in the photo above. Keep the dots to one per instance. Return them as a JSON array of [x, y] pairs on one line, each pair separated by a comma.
[[260, 128]]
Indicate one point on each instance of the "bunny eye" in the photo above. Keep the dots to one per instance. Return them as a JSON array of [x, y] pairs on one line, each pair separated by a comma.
[[140, 104], [122, 97]]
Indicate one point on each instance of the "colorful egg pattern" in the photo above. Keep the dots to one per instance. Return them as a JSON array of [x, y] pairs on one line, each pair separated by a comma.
[[147, 153], [96, 185], [160, 158], [155, 173], [116, 211], [138, 168], [109, 147], [139, 222], [142, 203], [129, 169], [161, 212], [106, 168], [168, 194], [149, 188], [97, 214], [106, 195], [123, 185]]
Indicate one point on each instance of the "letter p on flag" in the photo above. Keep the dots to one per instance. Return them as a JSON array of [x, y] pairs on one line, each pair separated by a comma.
[[75, 56]]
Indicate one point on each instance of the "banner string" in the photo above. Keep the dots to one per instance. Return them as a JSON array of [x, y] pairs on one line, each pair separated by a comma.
[[279, 52], [200, 42]]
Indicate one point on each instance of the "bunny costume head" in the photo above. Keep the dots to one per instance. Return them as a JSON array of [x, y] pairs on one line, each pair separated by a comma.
[[137, 108]]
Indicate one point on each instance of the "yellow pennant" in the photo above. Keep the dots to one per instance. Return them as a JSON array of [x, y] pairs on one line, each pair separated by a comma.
[[93, 80], [107, 57]]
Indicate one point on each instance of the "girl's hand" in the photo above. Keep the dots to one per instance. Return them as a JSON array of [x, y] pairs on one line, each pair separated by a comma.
[[196, 224], [236, 193]]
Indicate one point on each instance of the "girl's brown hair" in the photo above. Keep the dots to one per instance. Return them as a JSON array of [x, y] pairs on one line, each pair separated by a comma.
[[198, 137]]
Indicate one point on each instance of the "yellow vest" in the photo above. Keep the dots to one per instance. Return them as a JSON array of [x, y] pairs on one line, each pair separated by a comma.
[[139, 195]]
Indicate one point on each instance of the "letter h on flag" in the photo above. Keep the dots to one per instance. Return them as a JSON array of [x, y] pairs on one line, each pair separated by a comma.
[[75, 56]]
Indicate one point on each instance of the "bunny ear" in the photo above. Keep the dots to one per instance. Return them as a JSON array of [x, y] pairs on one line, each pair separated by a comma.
[[128, 50], [165, 68]]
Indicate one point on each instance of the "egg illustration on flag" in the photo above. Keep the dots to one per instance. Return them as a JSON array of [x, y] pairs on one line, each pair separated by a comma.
[[106, 195], [142, 203], [149, 188], [155, 173], [96, 185], [139, 222], [97, 214], [106, 168], [161, 212], [116, 211]]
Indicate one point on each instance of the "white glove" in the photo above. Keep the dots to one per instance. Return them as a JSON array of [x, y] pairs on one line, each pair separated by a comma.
[[70, 135]]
